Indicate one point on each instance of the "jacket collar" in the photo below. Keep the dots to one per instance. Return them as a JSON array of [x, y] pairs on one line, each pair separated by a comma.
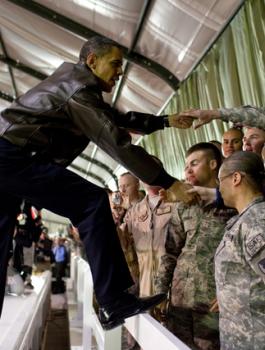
[[235, 218]]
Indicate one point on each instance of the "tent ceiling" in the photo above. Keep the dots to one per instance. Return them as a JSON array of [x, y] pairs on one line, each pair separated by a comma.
[[162, 39]]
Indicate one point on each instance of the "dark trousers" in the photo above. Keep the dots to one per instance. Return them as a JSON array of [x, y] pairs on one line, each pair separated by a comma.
[[50, 186], [59, 271]]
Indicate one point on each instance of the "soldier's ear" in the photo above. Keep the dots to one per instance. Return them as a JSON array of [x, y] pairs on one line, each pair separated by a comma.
[[237, 178], [213, 164], [91, 61]]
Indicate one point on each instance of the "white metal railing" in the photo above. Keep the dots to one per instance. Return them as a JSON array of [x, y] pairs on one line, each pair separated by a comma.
[[149, 333], [37, 322], [23, 318]]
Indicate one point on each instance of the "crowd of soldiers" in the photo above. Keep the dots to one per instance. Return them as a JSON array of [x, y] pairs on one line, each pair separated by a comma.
[[208, 256]]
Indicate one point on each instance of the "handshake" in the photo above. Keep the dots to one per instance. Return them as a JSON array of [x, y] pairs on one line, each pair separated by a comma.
[[184, 120], [179, 192], [183, 192]]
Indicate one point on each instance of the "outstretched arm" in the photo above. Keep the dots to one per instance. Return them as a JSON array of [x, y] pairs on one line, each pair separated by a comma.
[[202, 116], [143, 123], [246, 115], [98, 124], [179, 192]]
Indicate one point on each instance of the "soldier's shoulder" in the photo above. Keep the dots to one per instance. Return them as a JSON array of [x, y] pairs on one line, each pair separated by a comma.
[[180, 206], [255, 215], [253, 228]]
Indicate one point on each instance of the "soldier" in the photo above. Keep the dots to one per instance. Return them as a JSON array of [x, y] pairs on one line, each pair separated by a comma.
[[232, 141], [240, 257], [129, 186], [193, 236], [246, 115], [253, 140], [147, 222]]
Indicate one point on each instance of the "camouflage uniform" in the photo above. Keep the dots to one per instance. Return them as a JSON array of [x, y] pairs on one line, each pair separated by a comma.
[[193, 236], [240, 279], [247, 115]]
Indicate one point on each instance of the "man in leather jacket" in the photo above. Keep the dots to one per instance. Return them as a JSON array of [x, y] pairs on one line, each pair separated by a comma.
[[44, 130]]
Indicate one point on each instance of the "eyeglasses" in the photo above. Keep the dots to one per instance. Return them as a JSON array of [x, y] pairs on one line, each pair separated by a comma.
[[222, 178]]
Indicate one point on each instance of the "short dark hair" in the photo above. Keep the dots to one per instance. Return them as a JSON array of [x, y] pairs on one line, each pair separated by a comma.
[[237, 130], [210, 149], [250, 164], [98, 45]]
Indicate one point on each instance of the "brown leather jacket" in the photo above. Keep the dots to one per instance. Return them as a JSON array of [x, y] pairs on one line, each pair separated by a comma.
[[59, 117]]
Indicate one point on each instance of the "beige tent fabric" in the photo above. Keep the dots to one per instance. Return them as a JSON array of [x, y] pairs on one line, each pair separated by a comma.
[[232, 74]]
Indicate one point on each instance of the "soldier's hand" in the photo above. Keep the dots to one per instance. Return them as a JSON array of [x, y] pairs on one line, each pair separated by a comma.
[[180, 122], [179, 192], [125, 203], [208, 195], [214, 306], [203, 116]]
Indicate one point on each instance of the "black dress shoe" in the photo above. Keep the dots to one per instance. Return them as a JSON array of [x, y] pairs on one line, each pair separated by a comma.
[[128, 305]]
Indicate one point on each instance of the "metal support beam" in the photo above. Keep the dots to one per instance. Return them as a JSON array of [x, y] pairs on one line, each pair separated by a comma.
[[145, 8], [88, 173], [100, 164], [85, 32], [20, 66], [15, 91], [144, 11], [6, 97]]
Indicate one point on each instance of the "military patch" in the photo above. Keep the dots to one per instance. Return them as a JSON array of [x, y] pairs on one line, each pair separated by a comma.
[[161, 211], [261, 264], [255, 245], [143, 216]]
